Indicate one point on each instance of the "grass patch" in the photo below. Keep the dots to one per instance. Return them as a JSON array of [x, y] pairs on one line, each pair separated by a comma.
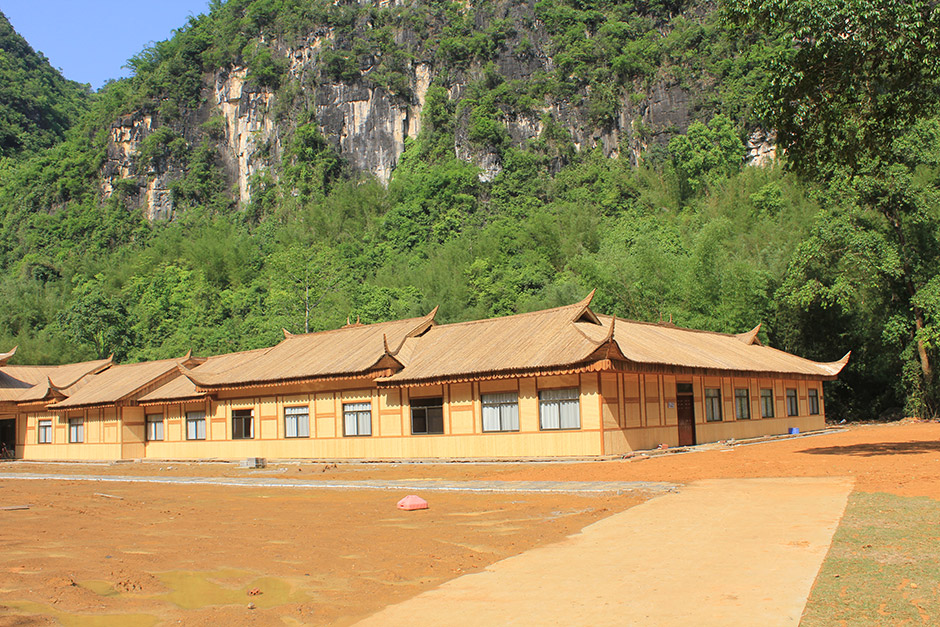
[[883, 567]]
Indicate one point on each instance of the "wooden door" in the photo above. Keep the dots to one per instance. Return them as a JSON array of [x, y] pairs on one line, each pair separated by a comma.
[[686, 419]]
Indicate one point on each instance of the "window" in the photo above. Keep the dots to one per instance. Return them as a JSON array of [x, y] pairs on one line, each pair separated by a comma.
[[45, 432], [427, 415], [297, 422], [155, 428], [766, 403], [742, 405], [76, 430], [559, 409], [793, 407], [712, 405], [813, 401], [243, 424], [195, 425], [500, 412], [357, 419], [683, 389]]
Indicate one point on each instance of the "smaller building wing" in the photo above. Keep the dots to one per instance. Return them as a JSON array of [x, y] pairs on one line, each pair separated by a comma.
[[118, 383]]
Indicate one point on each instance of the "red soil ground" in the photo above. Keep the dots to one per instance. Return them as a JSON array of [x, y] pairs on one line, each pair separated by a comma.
[[162, 553]]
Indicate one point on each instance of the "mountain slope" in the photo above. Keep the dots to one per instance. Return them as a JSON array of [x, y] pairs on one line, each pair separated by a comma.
[[37, 105]]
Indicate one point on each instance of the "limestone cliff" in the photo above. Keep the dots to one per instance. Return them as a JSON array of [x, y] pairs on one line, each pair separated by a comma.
[[367, 121]]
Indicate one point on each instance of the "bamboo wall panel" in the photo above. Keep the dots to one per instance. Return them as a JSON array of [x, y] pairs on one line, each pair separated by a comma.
[[590, 403], [462, 393], [631, 392], [698, 393], [461, 421], [132, 432], [611, 398], [616, 442], [669, 400], [646, 439], [528, 405], [714, 431], [651, 400]]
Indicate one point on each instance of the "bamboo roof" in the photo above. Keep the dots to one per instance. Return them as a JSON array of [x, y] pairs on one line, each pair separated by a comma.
[[32, 383], [666, 344], [119, 383], [537, 341], [182, 388], [353, 350], [418, 351]]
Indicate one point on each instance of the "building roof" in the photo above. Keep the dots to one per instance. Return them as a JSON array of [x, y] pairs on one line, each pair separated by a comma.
[[573, 337], [353, 350], [20, 384], [536, 341], [418, 351], [119, 383], [182, 388], [668, 345]]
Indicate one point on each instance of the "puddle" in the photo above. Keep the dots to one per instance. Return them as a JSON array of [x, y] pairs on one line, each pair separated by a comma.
[[84, 620], [196, 589]]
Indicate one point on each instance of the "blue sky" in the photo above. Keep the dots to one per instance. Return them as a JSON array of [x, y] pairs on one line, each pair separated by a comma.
[[91, 40]]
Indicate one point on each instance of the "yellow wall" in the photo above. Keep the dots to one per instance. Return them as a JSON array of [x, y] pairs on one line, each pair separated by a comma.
[[640, 410], [102, 436], [391, 424], [620, 412]]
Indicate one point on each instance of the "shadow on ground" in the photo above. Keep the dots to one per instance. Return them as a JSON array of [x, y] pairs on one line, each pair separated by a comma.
[[877, 448]]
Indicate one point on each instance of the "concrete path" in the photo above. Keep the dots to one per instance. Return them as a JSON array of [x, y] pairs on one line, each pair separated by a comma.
[[404, 485], [720, 552]]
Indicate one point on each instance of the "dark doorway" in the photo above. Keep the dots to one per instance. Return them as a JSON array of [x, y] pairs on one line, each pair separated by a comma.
[[685, 412], [8, 438]]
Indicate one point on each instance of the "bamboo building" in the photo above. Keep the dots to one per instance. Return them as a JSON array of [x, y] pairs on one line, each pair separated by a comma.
[[563, 382]]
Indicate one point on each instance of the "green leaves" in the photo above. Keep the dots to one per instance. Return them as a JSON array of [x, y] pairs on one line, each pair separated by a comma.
[[856, 76], [706, 153]]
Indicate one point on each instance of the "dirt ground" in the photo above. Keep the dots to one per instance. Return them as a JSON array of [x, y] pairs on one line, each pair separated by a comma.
[[161, 553], [901, 458]]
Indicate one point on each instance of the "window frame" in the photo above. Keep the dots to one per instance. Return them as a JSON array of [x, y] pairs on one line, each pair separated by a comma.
[[288, 413], [194, 418], [767, 409], [76, 430], [812, 401], [357, 410], [421, 406], [507, 411], [545, 403], [742, 404], [709, 399], [794, 408], [243, 416], [44, 428], [153, 419]]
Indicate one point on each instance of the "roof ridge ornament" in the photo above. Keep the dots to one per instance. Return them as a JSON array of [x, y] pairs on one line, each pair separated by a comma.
[[5, 356], [750, 337], [835, 367], [584, 313]]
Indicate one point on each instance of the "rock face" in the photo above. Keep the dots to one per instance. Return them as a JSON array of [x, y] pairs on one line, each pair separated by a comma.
[[761, 147], [368, 126], [251, 135]]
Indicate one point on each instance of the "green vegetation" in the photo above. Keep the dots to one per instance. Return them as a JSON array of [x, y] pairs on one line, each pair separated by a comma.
[[38, 105], [882, 567], [830, 254]]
